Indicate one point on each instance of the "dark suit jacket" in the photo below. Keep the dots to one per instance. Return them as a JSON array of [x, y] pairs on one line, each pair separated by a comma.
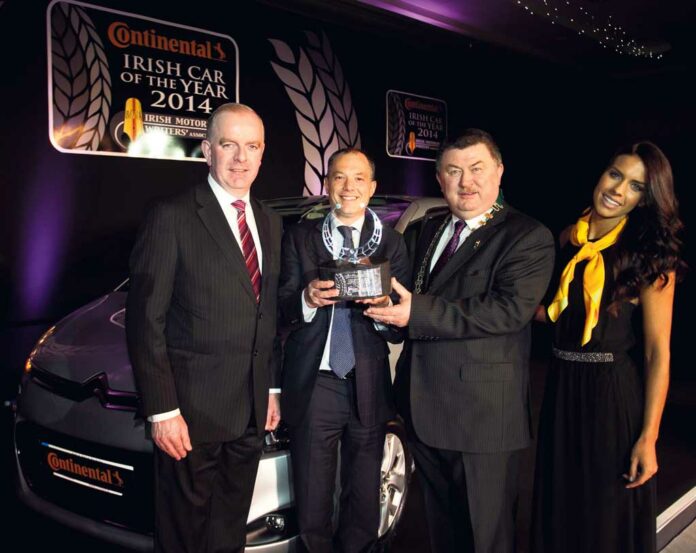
[[464, 372], [303, 252], [196, 336]]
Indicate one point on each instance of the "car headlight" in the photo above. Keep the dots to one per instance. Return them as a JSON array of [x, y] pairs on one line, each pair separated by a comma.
[[273, 527], [45, 336]]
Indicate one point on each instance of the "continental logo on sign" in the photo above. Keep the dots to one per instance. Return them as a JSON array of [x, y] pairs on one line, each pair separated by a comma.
[[410, 103], [67, 464], [122, 36]]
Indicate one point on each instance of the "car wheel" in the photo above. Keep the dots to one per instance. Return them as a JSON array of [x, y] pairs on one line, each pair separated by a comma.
[[397, 468]]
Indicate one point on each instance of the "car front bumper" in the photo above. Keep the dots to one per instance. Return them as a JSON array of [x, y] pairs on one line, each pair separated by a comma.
[[67, 472]]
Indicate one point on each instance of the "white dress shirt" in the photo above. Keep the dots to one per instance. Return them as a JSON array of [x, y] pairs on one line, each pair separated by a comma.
[[225, 199], [471, 225], [309, 312]]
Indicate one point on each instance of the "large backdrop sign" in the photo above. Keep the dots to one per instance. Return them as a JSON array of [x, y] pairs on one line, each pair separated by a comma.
[[127, 85], [416, 125]]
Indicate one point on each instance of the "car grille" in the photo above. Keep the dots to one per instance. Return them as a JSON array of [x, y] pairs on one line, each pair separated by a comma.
[[99, 482], [79, 391]]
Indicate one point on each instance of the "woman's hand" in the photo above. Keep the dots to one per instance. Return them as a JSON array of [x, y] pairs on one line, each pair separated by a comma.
[[643, 463]]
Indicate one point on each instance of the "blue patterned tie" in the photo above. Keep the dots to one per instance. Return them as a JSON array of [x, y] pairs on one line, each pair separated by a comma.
[[342, 354]]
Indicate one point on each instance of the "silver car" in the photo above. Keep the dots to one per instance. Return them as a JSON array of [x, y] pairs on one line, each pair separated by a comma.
[[82, 454]]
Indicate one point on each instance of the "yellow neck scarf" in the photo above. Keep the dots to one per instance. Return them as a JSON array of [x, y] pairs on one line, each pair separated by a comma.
[[593, 277]]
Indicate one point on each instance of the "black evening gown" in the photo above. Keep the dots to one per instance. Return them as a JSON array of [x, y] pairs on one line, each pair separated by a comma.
[[592, 415]]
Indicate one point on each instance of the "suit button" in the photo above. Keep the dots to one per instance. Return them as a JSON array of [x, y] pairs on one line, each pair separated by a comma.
[[260, 315], [256, 353]]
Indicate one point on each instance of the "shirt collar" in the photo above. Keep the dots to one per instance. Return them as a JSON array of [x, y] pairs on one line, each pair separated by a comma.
[[474, 222], [222, 195], [357, 225]]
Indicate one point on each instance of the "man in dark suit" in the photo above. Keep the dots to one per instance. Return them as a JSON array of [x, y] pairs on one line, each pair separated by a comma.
[[201, 318], [462, 381], [336, 379]]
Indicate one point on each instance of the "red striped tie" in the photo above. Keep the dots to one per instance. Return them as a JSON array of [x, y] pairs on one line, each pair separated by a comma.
[[248, 248]]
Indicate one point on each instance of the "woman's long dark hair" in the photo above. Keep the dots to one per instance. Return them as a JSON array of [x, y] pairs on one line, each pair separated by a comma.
[[650, 246]]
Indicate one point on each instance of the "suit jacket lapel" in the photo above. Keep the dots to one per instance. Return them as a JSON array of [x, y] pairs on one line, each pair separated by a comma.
[[316, 243], [367, 229], [473, 243], [213, 218], [263, 226], [425, 250]]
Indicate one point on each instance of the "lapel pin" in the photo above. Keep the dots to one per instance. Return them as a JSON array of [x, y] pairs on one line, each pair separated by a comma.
[[477, 243]]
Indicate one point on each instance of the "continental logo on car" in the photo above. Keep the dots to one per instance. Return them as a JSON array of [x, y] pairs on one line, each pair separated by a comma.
[[96, 474]]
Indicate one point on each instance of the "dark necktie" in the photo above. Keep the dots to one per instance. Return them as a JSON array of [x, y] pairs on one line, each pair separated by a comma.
[[449, 250], [248, 248], [341, 353]]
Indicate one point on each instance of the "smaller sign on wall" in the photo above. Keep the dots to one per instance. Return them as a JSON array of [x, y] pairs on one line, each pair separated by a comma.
[[127, 85], [416, 125]]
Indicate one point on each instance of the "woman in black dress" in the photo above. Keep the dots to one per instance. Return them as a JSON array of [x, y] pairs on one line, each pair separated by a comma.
[[601, 414]]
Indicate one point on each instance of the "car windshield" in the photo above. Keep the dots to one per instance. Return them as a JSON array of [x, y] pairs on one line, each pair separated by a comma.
[[389, 210]]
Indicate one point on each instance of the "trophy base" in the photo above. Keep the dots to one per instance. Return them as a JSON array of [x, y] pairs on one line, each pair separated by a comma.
[[368, 278]]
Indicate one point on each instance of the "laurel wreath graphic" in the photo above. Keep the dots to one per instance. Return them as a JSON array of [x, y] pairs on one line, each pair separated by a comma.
[[397, 125], [314, 82], [81, 80], [331, 75]]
